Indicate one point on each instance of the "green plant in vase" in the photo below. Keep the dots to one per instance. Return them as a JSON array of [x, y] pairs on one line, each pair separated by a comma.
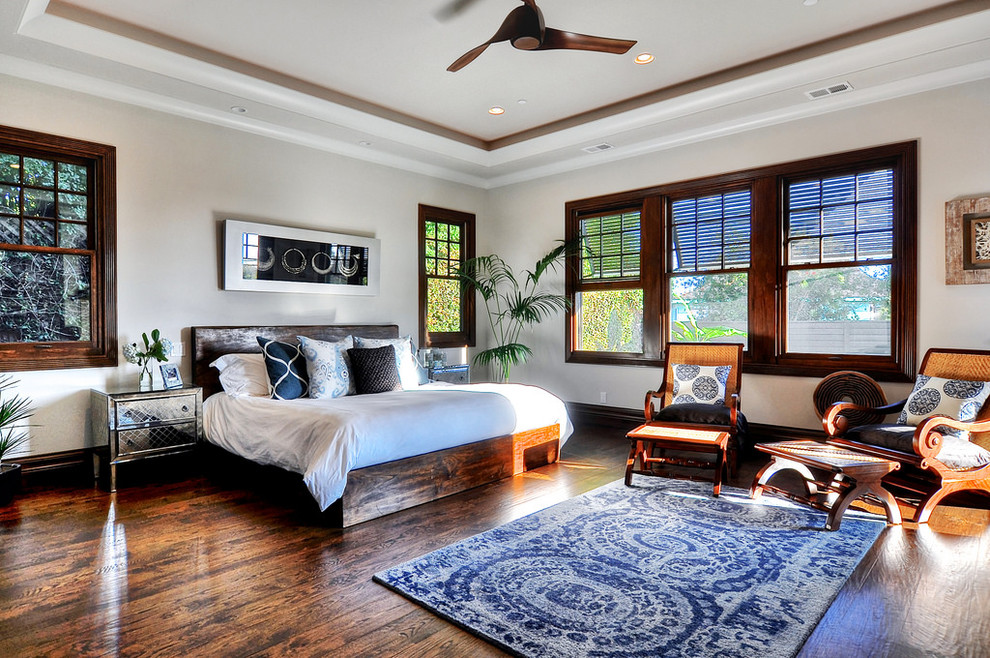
[[158, 348], [513, 303]]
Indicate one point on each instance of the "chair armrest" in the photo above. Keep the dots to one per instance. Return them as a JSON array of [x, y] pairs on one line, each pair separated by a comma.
[[733, 404], [928, 442], [836, 424], [648, 403]]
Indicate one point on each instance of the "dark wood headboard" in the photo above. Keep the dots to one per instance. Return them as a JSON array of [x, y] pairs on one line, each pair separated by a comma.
[[210, 343]]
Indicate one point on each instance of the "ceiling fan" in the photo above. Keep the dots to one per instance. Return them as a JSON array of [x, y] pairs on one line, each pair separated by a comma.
[[525, 29]]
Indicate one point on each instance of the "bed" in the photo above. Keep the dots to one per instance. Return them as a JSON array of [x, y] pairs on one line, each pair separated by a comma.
[[364, 456]]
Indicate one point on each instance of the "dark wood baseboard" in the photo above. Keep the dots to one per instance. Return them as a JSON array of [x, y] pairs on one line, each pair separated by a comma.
[[52, 461], [583, 415]]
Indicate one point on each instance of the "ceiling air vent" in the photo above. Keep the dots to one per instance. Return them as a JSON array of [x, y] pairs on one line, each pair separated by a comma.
[[598, 148], [830, 90]]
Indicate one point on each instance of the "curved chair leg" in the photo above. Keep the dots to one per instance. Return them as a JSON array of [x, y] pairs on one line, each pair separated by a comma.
[[631, 461], [927, 505]]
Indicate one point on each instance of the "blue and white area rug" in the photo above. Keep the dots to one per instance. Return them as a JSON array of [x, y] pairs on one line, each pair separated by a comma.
[[658, 569]]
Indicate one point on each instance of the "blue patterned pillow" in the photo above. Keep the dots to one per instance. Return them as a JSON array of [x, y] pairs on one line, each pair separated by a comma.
[[286, 369], [328, 366], [699, 384], [957, 398]]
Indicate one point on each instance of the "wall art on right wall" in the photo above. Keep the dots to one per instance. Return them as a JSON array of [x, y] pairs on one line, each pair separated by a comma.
[[967, 241]]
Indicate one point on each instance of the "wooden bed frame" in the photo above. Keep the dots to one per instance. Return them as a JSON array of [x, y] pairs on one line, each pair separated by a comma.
[[378, 490]]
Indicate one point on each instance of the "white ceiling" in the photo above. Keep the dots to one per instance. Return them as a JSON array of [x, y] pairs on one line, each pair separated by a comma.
[[368, 79]]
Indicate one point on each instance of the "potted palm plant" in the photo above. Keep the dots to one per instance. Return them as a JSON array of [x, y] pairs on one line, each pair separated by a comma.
[[14, 409], [513, 303]]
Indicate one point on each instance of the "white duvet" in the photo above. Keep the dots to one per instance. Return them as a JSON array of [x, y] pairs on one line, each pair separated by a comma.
[[324, 439]]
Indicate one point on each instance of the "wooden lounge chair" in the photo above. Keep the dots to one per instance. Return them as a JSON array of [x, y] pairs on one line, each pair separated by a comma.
[[934, 463], [674, 412]]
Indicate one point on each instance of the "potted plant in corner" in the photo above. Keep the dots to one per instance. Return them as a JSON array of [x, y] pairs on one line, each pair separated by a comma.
[[511, 305], [14, 409]]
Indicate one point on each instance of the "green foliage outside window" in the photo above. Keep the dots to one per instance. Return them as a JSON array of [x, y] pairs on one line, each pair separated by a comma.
[[611, 320], [444, 297], [443, 303]]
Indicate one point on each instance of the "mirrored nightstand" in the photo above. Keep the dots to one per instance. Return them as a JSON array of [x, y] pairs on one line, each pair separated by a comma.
[[142, 424], [455, 374]]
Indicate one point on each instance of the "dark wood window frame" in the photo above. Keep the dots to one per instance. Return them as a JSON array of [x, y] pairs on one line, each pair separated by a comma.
[[466, 221], [765, 353], [101, 350]]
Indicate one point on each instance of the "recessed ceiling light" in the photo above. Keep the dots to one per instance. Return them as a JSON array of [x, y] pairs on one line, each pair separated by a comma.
[[521, 101], [364, 142], [238, 109], [810, 3], [644, 58], [495, 110]]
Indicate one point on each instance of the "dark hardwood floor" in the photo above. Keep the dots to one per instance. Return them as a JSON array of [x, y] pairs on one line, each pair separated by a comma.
[[181, 562]]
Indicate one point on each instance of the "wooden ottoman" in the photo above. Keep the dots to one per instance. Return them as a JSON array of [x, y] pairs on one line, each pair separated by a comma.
[[649, 437]]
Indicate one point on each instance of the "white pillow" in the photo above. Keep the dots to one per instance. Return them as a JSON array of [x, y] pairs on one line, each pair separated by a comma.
[[699, 384], [328, 366], [243, 375], [957, 398], [404, 359]]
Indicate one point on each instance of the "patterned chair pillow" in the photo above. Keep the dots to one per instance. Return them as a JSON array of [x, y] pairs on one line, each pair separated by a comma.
[[699, 384], [957, 398], [405, 362], [374, 369], [286, 369], [328, 367]]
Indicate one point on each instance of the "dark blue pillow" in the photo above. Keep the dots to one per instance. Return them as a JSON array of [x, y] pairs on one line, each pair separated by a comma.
[[286, 367]]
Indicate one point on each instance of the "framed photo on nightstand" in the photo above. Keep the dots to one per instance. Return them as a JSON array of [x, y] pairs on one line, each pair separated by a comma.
[[170, 375]]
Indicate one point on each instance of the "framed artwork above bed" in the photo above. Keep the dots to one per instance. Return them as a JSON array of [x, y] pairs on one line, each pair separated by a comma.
[[269, 258]]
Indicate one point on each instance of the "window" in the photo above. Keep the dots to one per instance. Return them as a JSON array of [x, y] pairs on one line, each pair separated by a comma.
[[57, 222], [609, 303], [838, 255], [709, 262], [446, 240], [810, 264]]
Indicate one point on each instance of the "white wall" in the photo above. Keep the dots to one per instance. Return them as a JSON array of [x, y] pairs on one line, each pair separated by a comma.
[[954, 162], [176, 179]]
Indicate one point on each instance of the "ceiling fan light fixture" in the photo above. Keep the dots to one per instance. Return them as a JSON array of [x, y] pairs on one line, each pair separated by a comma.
[[526, 43], [644, 58], [496, 110]]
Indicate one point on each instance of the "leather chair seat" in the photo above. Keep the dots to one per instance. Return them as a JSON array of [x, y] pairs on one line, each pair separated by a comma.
[[956, 452], [702, 414]]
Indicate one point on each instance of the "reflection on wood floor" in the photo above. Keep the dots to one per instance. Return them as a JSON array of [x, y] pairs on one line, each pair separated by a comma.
[[186, 561]]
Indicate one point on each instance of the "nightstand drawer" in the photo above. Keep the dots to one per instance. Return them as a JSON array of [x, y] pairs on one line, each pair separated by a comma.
[[158, 437], [455, 374], [149, 410]]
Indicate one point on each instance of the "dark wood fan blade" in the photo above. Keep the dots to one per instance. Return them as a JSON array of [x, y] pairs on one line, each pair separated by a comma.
[[514, 24], [468, 57], [560, 40]]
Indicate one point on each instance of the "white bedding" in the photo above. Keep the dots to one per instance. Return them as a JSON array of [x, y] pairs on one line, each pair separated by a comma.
[[324, 439]]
